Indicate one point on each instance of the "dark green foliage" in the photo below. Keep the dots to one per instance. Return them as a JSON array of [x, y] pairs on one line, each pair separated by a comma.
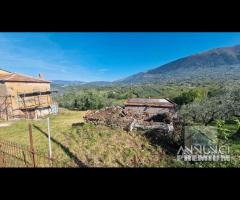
[[223, 133], [202, 102], [214, 92], [83, 100], [190, 96], [237, 121], [223, 105]]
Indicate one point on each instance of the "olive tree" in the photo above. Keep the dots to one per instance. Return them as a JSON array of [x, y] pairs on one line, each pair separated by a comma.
[[223, 106]]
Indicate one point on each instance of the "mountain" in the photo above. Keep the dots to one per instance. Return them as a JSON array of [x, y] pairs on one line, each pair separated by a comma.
[[62, 82], [97, 83], [216, 64], [220, 63]]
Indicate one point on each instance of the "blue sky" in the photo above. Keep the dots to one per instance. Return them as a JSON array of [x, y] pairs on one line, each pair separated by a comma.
[[101, 56]]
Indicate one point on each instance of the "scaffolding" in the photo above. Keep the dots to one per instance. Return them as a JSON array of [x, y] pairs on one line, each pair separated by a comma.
[[6, 107], [32, 101], [27, 102]]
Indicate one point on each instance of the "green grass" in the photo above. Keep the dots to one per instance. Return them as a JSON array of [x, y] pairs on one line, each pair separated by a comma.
[[99, 146], [60, 127], [87, 145]]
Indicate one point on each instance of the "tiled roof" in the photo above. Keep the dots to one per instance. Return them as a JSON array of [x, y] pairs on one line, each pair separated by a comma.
[[13, 77]]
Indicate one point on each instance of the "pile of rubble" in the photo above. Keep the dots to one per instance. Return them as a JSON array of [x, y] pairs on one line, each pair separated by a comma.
[[117, 116]]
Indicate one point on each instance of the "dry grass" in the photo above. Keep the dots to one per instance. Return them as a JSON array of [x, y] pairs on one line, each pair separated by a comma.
[[87, 145]]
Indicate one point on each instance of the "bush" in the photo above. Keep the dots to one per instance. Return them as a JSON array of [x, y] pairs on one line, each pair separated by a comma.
[[84, 100], [190, 96], [223, 133]]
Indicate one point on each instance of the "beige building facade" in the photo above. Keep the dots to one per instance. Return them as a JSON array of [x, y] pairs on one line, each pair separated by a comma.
[[23, 96]]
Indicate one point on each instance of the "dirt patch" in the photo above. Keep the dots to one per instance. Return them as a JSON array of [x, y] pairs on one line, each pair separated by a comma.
[[4, 125]]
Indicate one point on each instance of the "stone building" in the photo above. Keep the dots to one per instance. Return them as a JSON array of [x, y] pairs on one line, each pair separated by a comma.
[[23, 96], [150, 106]]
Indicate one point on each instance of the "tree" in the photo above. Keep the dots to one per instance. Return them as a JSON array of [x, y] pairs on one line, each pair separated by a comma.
[[223, 106], [204, 112], [223, 133], [190, 96], [238, 125]]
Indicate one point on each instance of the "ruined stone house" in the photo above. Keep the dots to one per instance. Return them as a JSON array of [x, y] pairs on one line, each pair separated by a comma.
[[23, 96], [150, 106], [137, 113]]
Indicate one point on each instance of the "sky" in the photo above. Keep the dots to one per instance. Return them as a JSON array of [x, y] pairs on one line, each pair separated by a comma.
[[101, 56]]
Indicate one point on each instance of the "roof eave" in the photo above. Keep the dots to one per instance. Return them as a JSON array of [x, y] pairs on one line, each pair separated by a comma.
[[150, 105], [4, 81]]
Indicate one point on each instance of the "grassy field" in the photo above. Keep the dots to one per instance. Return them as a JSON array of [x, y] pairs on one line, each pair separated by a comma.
[[78, 144], [84, 145]]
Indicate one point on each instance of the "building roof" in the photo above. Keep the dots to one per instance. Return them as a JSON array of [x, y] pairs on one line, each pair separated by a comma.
[[163, 103], [3, 70], [14, 77]]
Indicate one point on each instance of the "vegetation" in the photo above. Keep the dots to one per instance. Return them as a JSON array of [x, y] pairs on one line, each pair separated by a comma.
[[201, 103], [204, 103], [84, 98], [225, 105], [84, 145], [238, 125], [196, 94], [223, 133]]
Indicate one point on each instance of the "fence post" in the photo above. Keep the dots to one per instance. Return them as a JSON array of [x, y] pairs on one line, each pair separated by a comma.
[[2, 161], [24, 158], [49, 141], [6, 110], [31, 144]]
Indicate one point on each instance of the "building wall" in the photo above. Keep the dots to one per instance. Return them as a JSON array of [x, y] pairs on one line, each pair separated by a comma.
[[3, 90], [13, 88], [20, 87], [4, 101], [15, 103], [150, 110], [43, 112]]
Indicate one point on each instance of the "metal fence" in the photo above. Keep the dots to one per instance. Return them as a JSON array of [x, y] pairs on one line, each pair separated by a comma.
[[16, 155]]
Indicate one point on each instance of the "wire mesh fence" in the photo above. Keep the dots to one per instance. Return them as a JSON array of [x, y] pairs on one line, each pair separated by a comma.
[[16, 155]]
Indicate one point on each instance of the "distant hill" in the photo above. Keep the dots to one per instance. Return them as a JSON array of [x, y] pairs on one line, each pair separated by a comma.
[[220, 63], [62, 82], [97, 83], [216, 64]]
